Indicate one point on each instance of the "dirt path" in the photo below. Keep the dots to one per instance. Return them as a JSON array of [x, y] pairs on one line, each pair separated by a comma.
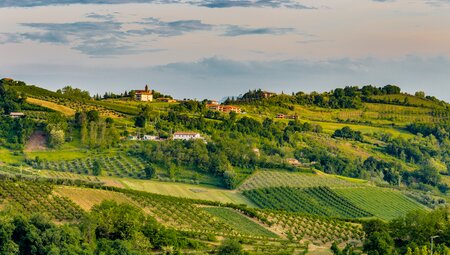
[[37, 142]]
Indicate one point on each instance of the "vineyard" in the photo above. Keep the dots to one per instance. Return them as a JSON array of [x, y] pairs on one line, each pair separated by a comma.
[[318, 201], [35, 197], [384, 203], [119, 165], [318, 230], [201, 220], [68, 175], [186, 216], [266, 179], [239, 222]]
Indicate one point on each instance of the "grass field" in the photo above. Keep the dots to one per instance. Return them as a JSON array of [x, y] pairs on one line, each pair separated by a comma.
[[330, 127], [8, 157], [187, 191], [54, 155], [60, 108], [87, 198], [386, 204], [446, 179], [266, 179], [239, 222], [412, 100]]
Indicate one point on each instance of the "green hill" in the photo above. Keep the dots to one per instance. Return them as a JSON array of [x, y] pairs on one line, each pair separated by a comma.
[[283, 172]]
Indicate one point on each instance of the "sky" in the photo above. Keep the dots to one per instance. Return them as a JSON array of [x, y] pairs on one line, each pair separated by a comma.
[[215, 48]]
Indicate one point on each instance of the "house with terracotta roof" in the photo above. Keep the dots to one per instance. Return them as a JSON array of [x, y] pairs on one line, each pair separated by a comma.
[[224, 108], [166, 100], [267, 94], [145, 95], [231, 108]]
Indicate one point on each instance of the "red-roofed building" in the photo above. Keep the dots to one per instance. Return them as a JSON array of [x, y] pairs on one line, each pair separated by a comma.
[[144, 95], [224, 108]]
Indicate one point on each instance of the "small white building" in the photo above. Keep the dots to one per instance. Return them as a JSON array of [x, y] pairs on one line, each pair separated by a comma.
[[17, 114], [150, 138], [132, 138], [186, 136]]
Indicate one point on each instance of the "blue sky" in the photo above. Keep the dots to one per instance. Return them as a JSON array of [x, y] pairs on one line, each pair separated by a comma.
[[216, 48]]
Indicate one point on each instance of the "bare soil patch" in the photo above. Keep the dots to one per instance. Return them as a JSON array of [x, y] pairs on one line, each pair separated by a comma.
[[37, 142]]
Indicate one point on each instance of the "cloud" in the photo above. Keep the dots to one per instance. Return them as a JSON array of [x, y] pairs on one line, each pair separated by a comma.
[[106, 36], [102, 38], [251, 3], [99, 16], [438, 3], [154, 26], [203, 3], [240, 31]]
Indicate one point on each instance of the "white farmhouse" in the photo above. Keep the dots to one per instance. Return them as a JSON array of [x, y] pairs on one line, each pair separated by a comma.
[[186, 136], [149, 138], [17, 115]]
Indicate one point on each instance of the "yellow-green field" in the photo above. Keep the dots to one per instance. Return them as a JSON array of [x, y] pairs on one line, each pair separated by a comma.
[[330, 127], [8, 157], [57, 107], [55, 155], [412, 100], [186, 190], [87, 198]]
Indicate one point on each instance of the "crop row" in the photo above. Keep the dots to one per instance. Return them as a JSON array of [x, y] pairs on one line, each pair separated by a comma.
[[189, 217], [381, 202], [319, 201], [32, 197], [265, 179], [319, 230], [120, 165]]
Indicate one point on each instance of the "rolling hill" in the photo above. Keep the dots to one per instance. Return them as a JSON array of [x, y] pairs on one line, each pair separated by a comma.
[[285, 174]]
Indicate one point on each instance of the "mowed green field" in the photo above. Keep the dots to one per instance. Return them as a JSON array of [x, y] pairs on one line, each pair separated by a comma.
[[384, 203], [330, 127], [239, 222], [187, 191], [267, 179], [8, 157]]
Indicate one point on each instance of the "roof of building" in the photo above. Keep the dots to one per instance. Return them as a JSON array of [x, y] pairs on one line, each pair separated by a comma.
[[143, 92], [185, 133], [17, 114]]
